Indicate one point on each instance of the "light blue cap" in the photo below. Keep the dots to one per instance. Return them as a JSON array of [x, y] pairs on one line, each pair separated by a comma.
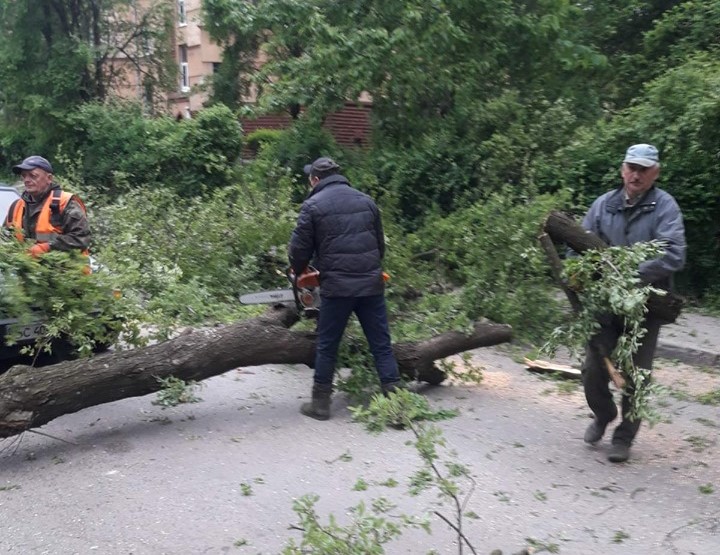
[[643, 155]]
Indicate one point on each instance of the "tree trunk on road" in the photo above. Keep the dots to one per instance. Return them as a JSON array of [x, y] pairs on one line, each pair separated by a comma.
[[31, 397], [563, 229]]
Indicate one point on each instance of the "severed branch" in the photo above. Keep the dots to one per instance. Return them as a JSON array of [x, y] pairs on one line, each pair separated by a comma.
[[563, 229]]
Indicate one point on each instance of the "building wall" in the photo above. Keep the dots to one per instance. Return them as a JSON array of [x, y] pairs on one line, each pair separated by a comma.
[[202, 56]]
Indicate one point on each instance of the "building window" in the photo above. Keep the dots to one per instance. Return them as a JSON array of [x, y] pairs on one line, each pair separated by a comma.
[[184, 69], [182, 14]]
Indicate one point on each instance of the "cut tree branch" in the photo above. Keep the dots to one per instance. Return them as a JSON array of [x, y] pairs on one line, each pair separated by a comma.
[[563, 229]]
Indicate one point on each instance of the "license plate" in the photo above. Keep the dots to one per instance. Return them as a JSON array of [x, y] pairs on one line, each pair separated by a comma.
[[26, 333]]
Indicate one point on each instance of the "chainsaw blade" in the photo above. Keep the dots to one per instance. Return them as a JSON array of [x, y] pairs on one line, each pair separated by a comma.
[[268, 297]]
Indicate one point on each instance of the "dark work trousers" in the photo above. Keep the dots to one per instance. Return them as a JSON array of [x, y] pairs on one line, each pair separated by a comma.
[[595, 375], [372, 314]]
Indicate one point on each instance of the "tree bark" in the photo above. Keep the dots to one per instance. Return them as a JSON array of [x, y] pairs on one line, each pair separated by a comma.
[[563, 229], [31, 397]]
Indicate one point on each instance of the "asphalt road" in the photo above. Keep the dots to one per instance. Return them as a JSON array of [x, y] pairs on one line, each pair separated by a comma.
[[220, 475]]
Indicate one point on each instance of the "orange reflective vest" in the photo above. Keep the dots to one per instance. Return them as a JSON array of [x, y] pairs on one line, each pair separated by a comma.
[[49, 219]]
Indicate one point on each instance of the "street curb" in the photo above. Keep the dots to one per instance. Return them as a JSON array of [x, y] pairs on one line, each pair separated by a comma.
[[688, 355]]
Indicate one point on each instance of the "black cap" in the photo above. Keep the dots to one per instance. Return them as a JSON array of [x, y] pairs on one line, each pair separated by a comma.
[[321, 166], [32, 162]]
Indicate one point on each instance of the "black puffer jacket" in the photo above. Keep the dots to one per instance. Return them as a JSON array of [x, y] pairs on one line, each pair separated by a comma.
[[340, 230]]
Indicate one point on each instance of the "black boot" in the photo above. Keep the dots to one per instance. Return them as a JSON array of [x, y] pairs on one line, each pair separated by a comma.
[[391, 387], [319, 407]]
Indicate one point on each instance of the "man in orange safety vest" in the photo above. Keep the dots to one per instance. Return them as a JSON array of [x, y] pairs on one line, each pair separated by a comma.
[[53, 218]]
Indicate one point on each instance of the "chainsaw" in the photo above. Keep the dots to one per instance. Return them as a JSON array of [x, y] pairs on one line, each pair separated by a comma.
[[304, 292]]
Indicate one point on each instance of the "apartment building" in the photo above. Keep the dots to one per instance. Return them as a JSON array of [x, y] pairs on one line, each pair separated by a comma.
[[197, 55]]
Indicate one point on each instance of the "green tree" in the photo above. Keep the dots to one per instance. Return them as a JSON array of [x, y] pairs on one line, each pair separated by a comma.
[[60, 54], [456, 85]]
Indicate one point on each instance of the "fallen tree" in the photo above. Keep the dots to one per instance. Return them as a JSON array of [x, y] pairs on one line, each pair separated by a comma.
[[31, 397]]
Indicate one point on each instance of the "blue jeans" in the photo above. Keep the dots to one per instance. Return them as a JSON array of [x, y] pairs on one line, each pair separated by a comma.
[[333, 318]]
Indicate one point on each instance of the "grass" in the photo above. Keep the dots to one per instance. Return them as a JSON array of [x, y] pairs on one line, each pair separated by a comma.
[[620, 536], [707, 489], [699, 443], [710, 398]]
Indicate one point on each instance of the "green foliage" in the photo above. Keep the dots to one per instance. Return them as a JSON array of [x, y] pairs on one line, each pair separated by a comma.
[[491, 250], [199, 157], [187, 260], [710, 398], [465, 95], [539, 546], [410, 410], [706, 489], [470, 372], [61, 56], [679, 112], [620, 536], [370, 529], [401, 407], [75, 307], [176, 391], [121, 149], [607, 283], [262, 137]]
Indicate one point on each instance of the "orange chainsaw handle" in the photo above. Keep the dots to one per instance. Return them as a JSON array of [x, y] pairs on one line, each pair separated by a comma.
[[310, 277]]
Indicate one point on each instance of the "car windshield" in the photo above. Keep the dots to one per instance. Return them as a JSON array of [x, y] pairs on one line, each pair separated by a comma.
[[7, 196]]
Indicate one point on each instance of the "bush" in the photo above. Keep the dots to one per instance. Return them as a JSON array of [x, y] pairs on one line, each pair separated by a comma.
[[190, 258], [491, 250], [120, 148]]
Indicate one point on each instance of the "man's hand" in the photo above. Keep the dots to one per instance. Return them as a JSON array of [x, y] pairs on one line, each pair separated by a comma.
[[38, 249]]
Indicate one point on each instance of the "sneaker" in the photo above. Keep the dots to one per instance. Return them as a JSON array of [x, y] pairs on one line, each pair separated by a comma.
[[619, 452], [594, 432]]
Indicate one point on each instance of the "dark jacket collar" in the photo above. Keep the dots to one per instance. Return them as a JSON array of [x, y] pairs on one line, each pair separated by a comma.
[[334, 179]]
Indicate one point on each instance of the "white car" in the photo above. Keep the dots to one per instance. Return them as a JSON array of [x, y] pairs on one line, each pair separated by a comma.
[[28, 333]]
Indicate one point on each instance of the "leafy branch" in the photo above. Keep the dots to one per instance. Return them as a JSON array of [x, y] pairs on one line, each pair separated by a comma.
[[607, 282], [407, 410]]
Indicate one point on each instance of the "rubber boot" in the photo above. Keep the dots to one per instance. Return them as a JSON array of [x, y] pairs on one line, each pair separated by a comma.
[[319, 407]]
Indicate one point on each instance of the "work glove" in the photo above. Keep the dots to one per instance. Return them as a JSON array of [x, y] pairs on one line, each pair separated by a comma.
[[38, 249]]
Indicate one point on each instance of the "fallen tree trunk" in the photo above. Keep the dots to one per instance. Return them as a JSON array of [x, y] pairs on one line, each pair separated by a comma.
[[563, 229], [31, 397]]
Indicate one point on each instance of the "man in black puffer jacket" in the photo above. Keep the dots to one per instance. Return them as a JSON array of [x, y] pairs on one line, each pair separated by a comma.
[[340, 230]]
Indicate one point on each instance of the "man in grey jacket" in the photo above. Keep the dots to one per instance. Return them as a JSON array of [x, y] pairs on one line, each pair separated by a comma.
[[636, 212], [340, 230]]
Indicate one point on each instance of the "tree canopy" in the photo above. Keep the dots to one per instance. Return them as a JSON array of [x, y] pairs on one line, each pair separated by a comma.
[[482, 112]]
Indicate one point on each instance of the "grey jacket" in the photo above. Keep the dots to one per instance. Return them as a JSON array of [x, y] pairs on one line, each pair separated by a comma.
[[340, 229], [655, 216]]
